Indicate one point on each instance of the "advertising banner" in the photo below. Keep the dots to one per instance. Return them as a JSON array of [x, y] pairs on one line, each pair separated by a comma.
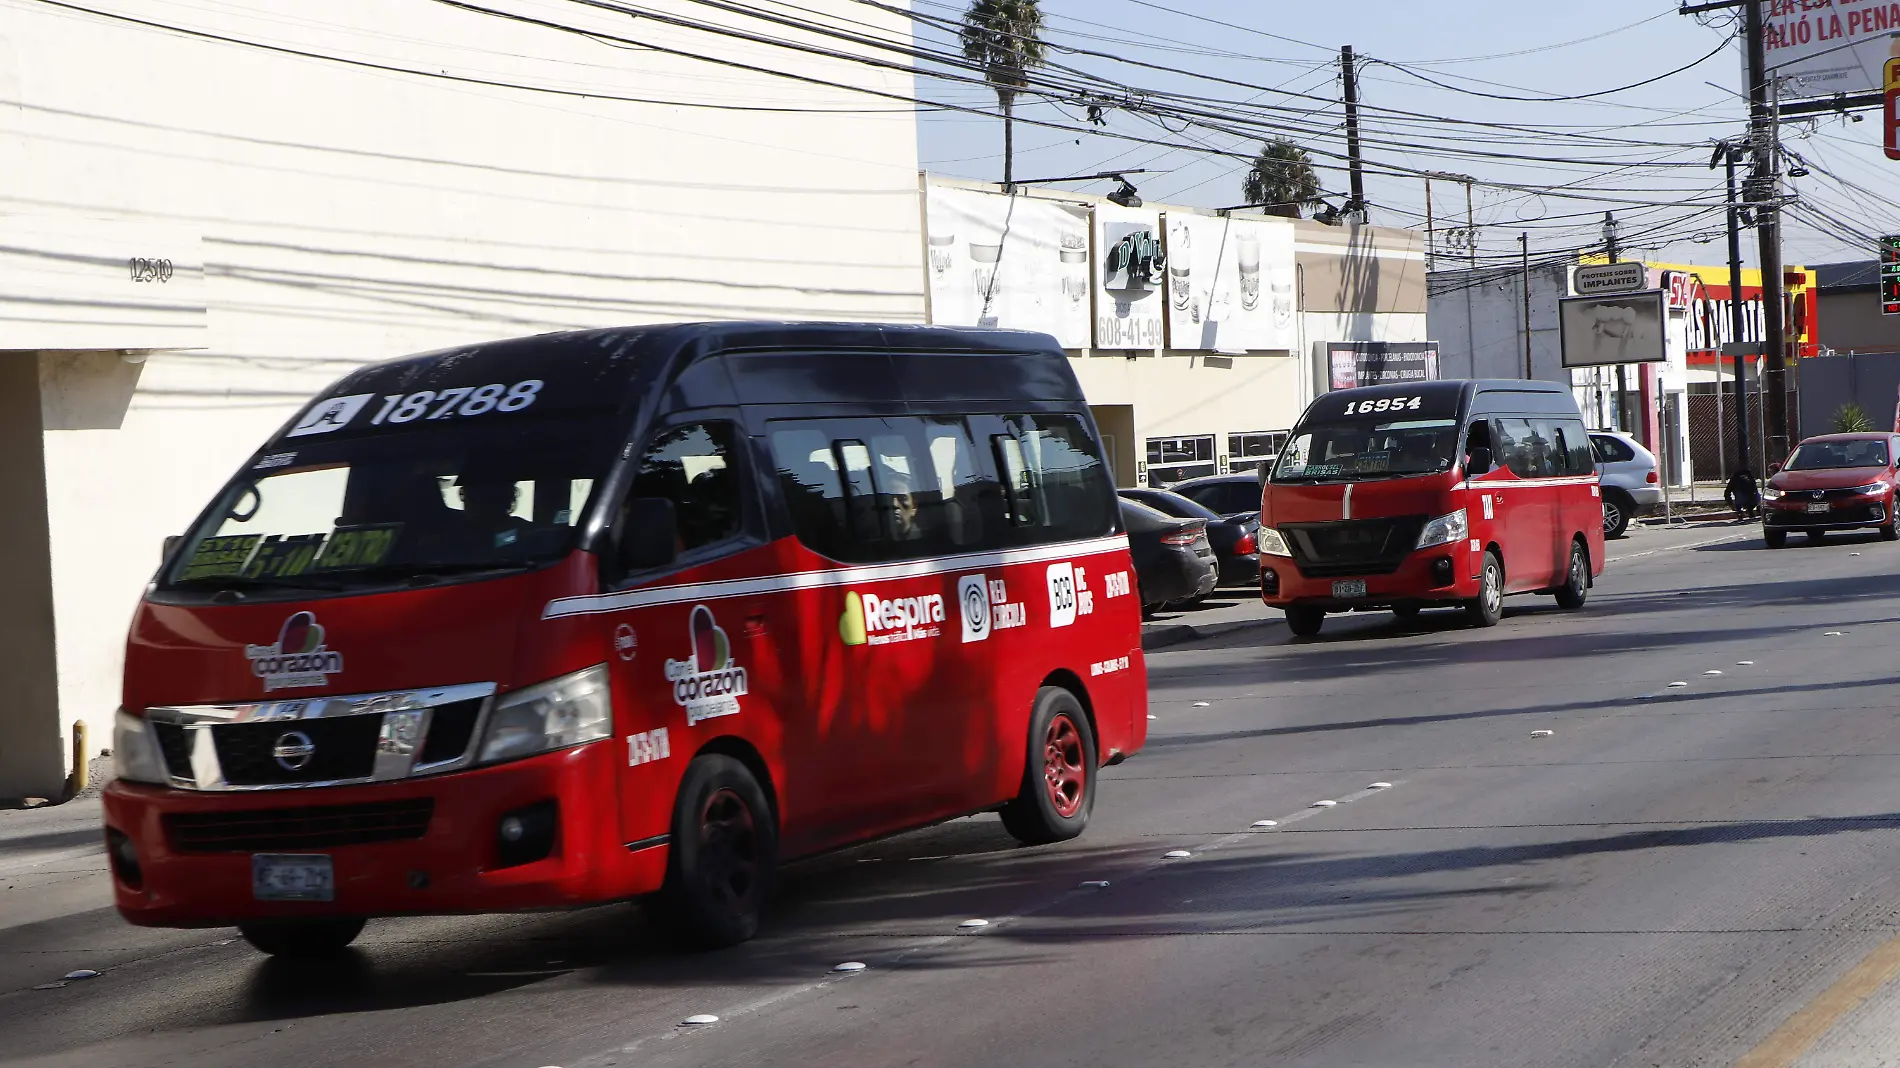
[[1230, 284], [1014, 262], [1377, 363], [1627, 328], [1840, 46], [1130, 278]]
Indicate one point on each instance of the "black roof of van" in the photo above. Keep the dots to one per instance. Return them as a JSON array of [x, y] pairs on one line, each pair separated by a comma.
[[631, 366]]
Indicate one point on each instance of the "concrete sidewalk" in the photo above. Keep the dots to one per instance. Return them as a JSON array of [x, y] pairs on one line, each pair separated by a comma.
[[1233, 610]]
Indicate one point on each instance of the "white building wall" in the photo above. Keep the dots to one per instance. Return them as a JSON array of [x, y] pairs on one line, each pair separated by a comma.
[[349, 215]]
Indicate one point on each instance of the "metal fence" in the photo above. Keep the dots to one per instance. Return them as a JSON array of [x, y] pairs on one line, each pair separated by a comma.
[[1712, 432]]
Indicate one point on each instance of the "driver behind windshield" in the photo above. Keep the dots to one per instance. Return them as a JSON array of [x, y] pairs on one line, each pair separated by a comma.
[[488, 506]]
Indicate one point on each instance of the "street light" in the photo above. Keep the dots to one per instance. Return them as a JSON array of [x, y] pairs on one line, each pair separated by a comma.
[[1124, 193]]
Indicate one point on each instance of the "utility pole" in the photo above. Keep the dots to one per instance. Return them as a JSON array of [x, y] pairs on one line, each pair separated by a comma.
[[1737, 318], [1431, 242], [1524, 246], [1471, 228], [1623, 420], [1349, 68], [1764, 192]]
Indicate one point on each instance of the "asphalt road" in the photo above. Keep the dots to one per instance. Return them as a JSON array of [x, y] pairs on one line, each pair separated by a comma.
[[1694, 868]]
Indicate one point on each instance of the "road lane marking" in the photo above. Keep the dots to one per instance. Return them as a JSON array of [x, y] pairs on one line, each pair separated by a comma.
[[1792, 1038], [1678, 548], [616, 1055]]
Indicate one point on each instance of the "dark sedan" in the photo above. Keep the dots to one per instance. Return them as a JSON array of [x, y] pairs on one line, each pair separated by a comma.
[[1231, 537], [1173, 561], [1234, 496]]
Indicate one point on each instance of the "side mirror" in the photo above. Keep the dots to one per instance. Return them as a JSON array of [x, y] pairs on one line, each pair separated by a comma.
[[171, 542], [648, 536], [1477, 461], [1774, 469]]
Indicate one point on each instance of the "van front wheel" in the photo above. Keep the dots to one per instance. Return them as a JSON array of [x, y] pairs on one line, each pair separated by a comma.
[[724, 854], [1487, 607], [1058, 787]]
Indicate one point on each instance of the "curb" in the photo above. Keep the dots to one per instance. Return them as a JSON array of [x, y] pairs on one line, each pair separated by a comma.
[[1169, 634]]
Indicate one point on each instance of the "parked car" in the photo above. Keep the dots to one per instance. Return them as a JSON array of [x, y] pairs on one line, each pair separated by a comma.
[[1231, 537], [1832, 482], [1629, 474], [1173, 561], [1234, 496]]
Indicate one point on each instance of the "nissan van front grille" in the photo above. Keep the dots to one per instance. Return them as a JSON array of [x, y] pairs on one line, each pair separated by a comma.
[[295, 829], [321, 741], [1353, 546]]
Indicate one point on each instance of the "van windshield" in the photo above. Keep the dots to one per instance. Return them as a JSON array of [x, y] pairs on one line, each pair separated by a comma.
[[1352, 450], [457, 498]]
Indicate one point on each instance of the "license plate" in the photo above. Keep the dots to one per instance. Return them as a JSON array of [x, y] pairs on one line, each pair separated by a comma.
[[1349, 588], [292, 877], [1818, 506]]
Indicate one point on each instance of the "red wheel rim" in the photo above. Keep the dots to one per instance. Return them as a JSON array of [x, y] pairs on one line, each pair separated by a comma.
[[728, 842], [1063, 769]]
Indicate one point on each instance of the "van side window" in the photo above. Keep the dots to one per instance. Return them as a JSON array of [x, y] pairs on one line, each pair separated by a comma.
[[863, 490], [1056, 486], [693, 466], [1571, 443], [1514, 448]]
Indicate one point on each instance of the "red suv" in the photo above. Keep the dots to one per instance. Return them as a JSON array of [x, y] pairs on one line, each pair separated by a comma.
[[1832, 482]]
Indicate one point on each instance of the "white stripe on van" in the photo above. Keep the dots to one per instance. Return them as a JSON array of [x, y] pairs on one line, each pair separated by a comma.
[[592, 604]]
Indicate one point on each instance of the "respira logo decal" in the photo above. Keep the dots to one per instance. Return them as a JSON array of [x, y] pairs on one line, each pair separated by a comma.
[[299, 657], [872, 620], [986, 606], [707, 684]]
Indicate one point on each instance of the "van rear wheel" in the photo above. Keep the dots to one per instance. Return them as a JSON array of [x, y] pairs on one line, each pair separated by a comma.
[[1576, 587], [1058, 788], [724, 855]]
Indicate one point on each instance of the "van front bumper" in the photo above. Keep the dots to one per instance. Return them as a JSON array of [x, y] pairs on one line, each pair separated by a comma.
[[185, 878], [1421, 578]]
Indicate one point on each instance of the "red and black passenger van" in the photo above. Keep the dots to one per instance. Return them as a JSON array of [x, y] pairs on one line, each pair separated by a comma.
[[1426, 494], [596, 615]]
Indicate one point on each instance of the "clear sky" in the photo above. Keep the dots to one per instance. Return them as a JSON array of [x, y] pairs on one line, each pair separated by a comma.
[[1284, 57]]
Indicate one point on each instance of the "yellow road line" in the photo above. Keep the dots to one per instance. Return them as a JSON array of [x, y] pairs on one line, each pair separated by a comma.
[[1793, 1038]]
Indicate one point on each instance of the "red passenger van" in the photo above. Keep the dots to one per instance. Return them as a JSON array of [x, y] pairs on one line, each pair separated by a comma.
[[589, 616], [1405, 497]]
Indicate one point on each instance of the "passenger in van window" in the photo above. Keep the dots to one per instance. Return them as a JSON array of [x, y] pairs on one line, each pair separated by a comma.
[[901, 507], [488, 506], [1478, 438]]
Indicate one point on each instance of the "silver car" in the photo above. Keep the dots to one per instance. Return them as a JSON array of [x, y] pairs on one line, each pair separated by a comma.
[[1629, 473]]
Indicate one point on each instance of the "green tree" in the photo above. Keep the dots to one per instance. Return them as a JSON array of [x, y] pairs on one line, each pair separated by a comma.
[[1281, 176], [1004, 39], [1850, 419]]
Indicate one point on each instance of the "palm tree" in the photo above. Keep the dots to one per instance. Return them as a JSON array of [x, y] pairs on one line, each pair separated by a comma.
[[1004, 39], [1282, 178]]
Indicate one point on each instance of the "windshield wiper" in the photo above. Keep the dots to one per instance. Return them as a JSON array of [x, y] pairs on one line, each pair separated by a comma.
[[257, 582], [424, 574]]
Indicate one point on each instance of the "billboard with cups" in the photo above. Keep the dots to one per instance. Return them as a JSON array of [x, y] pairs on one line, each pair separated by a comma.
[[1230, 284], [1009, 261], [1130, 278]]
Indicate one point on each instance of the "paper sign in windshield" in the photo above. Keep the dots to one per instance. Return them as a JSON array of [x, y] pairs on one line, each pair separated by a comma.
[[284, 556], [365, 545], [220, 557]]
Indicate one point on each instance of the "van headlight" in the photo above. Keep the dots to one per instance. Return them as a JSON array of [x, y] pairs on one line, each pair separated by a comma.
[[135, 755], [1271, 543], [1444, 530], [1770, 493], [556, 714]]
